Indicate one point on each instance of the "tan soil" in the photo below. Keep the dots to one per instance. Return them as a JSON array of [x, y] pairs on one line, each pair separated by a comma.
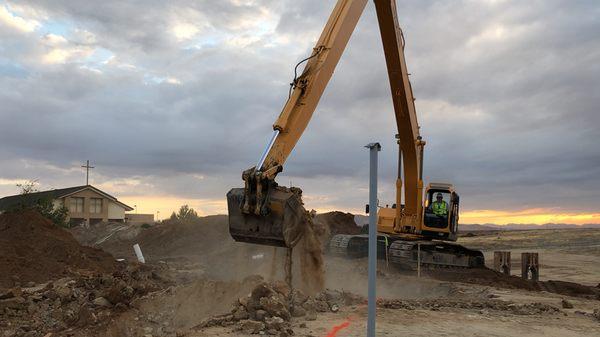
[[493, 278], [311, 261], [467, 303], [33, 249], [337, 223], [171, 240]]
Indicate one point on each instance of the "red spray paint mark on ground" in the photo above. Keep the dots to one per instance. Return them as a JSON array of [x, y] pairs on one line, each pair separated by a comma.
[[338, 328]]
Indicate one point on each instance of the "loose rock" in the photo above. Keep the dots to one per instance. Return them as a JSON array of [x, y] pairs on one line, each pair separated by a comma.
[[566, 304], [251, 327], [102, 302]]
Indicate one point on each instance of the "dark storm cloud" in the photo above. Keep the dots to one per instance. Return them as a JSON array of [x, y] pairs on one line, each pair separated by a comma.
[[506, 94]]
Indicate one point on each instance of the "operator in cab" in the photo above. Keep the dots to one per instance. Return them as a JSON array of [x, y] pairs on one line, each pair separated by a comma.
[[439, 207]]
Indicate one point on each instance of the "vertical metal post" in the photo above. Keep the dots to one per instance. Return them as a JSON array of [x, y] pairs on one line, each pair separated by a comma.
[[387, 257], [373, 149], [418, 260]]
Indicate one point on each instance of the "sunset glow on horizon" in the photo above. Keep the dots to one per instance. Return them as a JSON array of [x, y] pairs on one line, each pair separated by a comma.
[[537, 216], [169, 204]]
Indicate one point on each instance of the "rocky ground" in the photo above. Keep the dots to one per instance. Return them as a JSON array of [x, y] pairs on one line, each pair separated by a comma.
[[75, 306], [464, 311], [198, 282]]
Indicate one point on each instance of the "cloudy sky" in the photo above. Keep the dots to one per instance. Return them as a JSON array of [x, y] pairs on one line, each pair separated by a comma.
[[171, 100]]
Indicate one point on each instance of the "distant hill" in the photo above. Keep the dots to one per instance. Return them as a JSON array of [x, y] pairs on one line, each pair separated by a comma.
[[362, 220], [487, 227], [476, 227]]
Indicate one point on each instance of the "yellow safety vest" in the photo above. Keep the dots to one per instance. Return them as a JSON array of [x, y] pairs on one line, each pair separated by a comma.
[[440, 208]]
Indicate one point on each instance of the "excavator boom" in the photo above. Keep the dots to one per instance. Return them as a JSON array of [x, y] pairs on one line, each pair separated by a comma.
[[264, 213]]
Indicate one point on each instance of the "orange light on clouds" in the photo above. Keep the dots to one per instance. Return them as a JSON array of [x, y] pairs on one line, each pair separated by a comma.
[[528, 216], [169, 204]]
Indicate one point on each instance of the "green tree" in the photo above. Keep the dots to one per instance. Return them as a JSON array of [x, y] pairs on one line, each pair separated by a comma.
[[186, 214], [57, 215], [45, 206]]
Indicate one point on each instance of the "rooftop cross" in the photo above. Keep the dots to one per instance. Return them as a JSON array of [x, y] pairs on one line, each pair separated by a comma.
[[87, 171]]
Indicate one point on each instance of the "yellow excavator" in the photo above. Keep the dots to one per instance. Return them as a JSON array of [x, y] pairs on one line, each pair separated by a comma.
[[262, 212]]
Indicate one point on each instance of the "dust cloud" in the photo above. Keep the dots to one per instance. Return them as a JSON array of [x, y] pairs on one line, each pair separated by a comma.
[[311, 260]]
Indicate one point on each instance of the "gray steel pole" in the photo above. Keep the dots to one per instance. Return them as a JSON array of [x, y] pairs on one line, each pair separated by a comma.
[[373, 149], [418, 260]]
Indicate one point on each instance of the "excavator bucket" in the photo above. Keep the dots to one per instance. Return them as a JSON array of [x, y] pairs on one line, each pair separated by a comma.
[[282, 227]]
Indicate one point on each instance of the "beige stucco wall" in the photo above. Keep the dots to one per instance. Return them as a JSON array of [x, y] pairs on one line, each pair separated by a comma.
[[139, 218], [110, 209], [115, 211]]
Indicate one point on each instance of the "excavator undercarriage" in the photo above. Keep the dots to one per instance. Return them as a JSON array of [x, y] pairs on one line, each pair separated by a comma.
[[433, 254], [406, 253]]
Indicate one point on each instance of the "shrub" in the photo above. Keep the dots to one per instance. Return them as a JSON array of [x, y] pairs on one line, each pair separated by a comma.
[[43, 205]]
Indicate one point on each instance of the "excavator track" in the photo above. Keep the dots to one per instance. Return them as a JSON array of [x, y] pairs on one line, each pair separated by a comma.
[[433, 254], [404, 253], [357, 246]]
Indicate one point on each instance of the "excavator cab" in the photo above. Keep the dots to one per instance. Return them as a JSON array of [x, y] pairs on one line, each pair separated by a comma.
[[440, 212]]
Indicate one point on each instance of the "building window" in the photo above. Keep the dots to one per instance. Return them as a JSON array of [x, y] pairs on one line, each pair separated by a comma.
[[95, 205], [76, 205]]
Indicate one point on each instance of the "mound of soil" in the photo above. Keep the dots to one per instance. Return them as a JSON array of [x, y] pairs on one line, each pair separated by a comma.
[[570, 289], [205, 235], [33, 249], [493, 278], [338, 223]]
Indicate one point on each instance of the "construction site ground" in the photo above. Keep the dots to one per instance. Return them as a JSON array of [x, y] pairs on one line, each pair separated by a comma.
[[196, 283]]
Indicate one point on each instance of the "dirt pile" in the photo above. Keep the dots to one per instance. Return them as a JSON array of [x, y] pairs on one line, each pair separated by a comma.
[[205, 235], [33, 249], [481, 305], [84, 305], [493, 278], [97, 234], [338, 223], [271, 307], [570, 289]]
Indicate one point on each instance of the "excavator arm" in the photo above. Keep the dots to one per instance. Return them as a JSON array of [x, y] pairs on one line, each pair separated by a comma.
[[310, 85], [410, 143], [265, 213]]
